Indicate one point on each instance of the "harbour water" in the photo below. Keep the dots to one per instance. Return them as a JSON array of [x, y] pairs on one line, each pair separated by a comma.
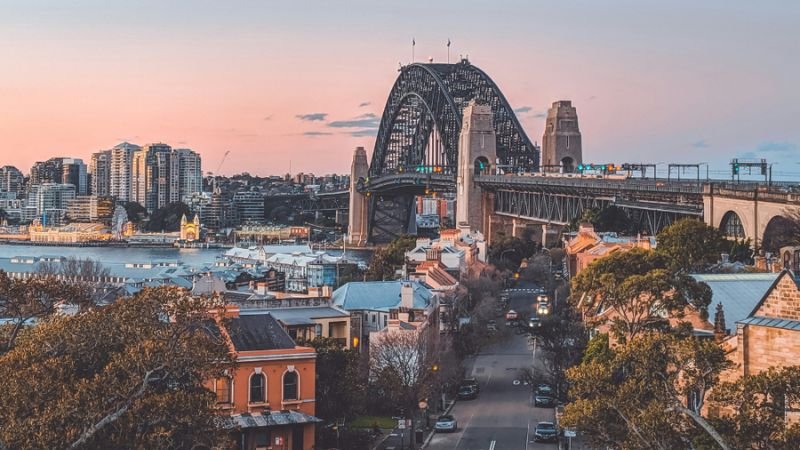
[[117, 255]]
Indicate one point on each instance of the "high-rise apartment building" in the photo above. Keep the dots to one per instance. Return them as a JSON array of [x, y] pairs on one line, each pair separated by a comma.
[[50, 200], [100, 171], [151, 176], [121, 168], [161, 175], [74, 172], [190, 172], [61, 170], [11, 179]]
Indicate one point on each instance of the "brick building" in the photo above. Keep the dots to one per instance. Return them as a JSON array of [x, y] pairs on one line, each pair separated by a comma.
[[269, 399]]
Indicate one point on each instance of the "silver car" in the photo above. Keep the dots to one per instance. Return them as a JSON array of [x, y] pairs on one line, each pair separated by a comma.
[[446, 423]]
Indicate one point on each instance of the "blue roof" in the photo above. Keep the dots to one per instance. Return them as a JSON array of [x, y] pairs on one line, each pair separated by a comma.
[[739, 293], [379, 295]]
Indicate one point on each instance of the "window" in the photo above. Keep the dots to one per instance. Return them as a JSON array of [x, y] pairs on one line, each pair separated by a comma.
[[290, 386], [318, 329], [385, 320], [224, 388], [373, 318], [258, 388], [261, 438]]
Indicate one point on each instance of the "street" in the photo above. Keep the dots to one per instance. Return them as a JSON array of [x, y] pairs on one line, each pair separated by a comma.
[[503, 416]]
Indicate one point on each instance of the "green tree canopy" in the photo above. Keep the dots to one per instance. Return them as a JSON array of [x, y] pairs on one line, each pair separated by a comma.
[[128, 376], [386, 261], [340, 380], [642, 290], [136, 212], [637, 397], [691, 246], [25, 301], [168, 218]]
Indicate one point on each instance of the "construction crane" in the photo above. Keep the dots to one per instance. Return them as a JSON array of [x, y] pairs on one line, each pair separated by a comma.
[[214, 175], [222, 161]]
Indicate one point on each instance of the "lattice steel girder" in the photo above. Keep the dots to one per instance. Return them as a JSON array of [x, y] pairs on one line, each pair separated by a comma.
[[545, 206], [428, 97], [390, 216]]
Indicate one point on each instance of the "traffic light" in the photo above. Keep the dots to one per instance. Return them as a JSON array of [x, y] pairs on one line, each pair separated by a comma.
[[580, 167], [736, 168]]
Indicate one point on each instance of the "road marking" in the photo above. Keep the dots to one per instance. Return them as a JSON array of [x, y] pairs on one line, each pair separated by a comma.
[[491, 446]]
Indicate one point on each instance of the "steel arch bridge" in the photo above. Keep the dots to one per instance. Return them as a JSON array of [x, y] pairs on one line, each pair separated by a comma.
[[418, 137], [421, 121]]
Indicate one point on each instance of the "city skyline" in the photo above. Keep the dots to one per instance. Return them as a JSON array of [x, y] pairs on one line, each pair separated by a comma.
[[277, 88]]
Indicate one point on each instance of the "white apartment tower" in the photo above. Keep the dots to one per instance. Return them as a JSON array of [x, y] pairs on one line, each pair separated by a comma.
[[120, 173]]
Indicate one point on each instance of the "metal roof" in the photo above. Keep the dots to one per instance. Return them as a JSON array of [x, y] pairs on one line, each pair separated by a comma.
[[786, 324], [379, 295], [258, 332], [300, 316], [739, 293], [269, 419]]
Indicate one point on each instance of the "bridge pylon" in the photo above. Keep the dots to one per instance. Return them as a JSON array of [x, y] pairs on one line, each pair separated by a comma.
[[357, 219], [477, 154]]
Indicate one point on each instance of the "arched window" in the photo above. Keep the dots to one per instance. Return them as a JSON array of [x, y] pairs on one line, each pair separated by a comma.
[[290, 386], [258, 384], [224, 388]]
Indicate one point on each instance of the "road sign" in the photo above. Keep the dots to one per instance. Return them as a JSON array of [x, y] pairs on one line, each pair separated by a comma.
[[401, 424], [570, 433]]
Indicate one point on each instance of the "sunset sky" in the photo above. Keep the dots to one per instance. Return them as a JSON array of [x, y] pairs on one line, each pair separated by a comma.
[[302, 82]]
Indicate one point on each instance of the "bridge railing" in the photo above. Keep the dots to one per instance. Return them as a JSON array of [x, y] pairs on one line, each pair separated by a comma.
[[597, 183]]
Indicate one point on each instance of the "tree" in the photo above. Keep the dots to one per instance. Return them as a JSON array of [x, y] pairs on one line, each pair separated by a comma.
[[124, 376], [402, 366], [640, 289], [757, 406], [386, 261], [136, 212], [648, 394], [561, 340], [608, 219], [84, 274], [691, 246], [169, 217], [26, 301], [506, 253], [340, 387]]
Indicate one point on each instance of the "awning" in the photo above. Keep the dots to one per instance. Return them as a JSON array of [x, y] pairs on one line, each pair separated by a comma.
[[270, 419]]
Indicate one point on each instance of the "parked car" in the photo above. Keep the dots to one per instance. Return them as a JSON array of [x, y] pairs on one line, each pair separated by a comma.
[[543, 401], [467, 393], [544, 389], [512, 315], [471, 382], [545, 432], [446, 423]]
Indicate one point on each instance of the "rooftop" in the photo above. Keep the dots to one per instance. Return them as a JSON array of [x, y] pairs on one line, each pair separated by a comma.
[[379, 295], [258, 332], [739, 293]]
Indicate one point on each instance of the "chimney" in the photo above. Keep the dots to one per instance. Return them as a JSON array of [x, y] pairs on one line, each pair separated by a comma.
[[760, 263], [407, 295]]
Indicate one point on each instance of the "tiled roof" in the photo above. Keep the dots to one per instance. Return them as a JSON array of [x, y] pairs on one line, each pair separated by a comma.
[[379, 295], [258, 332], [739, 293]]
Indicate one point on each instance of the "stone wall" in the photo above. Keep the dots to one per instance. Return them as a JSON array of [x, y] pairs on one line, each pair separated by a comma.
[[783, 302]]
